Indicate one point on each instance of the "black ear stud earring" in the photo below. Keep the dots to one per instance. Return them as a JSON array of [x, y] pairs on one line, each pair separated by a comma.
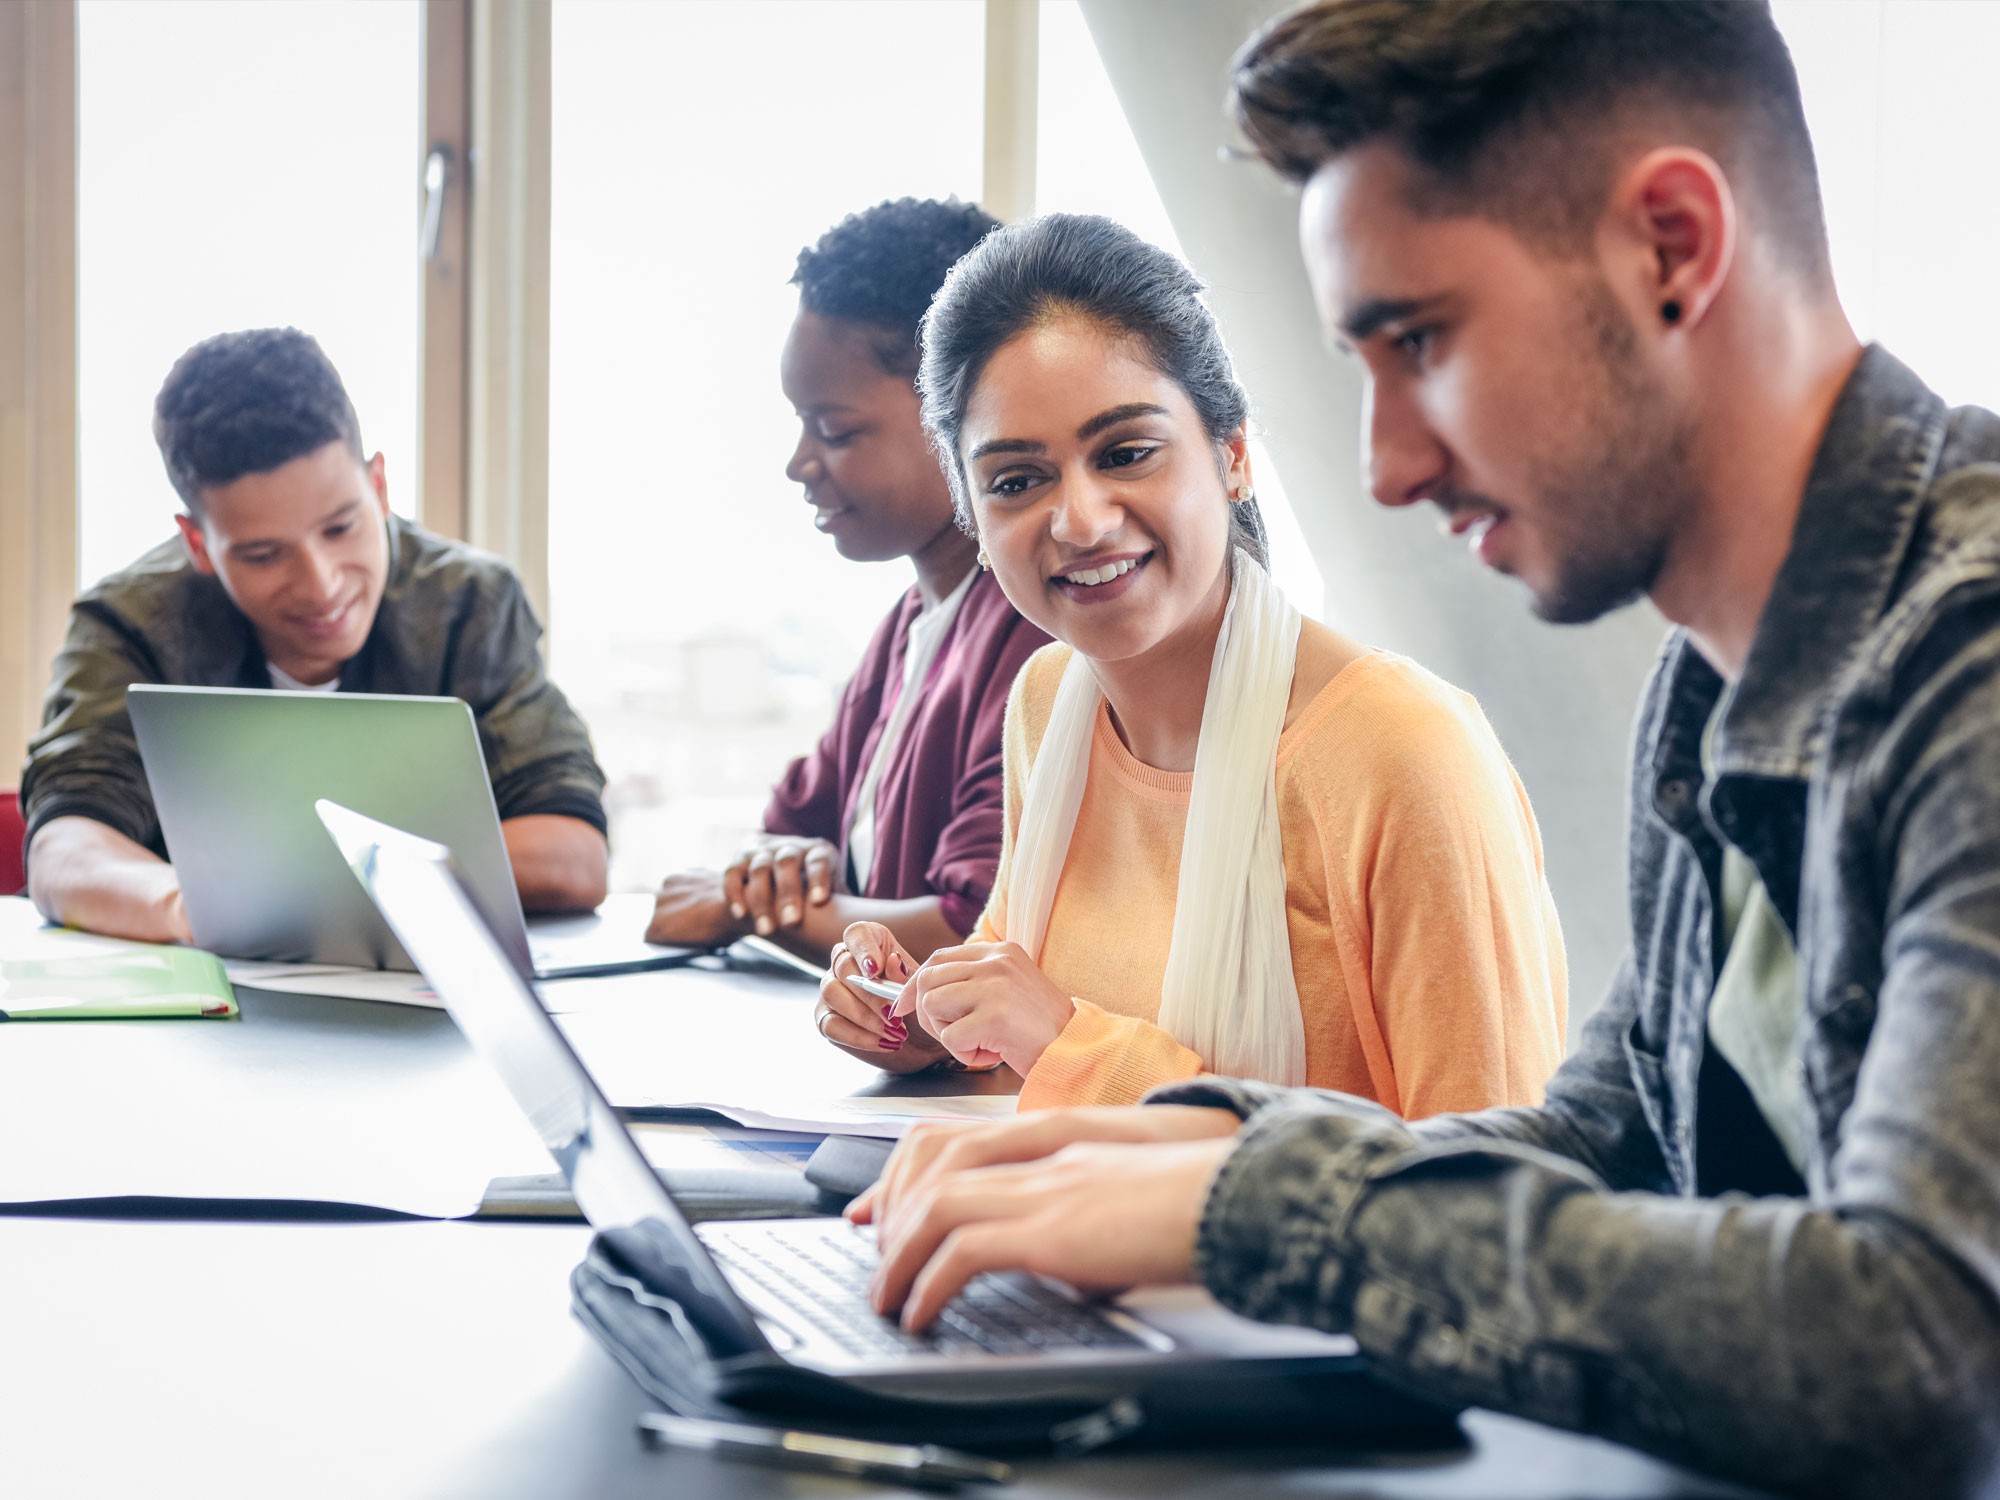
[[1670, 312]]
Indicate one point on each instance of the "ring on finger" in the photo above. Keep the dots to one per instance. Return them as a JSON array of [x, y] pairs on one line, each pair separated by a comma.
[[825, 1015]]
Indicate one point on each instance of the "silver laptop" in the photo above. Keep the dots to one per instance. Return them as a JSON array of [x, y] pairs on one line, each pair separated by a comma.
[[234, 774], [796, 1287]]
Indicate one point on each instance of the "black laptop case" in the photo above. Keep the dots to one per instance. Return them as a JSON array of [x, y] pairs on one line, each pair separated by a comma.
[[693, 1357]]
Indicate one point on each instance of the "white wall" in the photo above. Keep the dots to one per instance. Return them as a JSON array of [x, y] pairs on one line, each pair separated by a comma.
[[1561, 699]]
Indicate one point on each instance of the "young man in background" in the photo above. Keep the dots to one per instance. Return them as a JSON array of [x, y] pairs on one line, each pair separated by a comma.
[[290, 571]]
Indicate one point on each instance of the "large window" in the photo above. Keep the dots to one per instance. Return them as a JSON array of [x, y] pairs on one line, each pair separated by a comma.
[[1906, 125], [698, 620], [239, 165]]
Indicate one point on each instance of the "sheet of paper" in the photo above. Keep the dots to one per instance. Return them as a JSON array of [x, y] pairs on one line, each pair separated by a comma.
[[254, 971], [888, 1116], [393, 986], [682, 1145]]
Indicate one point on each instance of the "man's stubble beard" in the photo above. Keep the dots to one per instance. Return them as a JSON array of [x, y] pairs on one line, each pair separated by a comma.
[[1611, 509]]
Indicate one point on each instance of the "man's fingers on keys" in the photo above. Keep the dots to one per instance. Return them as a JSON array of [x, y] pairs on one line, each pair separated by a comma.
[[861, 1207], [913, 1163], [968, 1251], [935, 1212]]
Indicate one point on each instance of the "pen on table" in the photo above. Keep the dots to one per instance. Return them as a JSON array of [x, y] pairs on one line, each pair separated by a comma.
[[905, 1463]]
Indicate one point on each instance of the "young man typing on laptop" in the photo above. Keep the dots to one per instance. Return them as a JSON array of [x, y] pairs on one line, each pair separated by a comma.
[[1755, 1225], [290, 571]]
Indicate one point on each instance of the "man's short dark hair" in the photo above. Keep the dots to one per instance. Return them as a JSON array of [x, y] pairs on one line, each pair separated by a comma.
[[247, 403], [882, 266], [1514, 108]]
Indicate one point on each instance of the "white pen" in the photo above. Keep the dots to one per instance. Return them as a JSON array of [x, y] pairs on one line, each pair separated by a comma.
[[881, 989], [904, 1463]]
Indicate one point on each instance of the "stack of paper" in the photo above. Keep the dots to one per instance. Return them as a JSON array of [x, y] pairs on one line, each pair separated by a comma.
[[887, 1116]]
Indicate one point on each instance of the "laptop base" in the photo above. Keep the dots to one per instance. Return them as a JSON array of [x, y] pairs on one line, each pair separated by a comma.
[[638, 1304]]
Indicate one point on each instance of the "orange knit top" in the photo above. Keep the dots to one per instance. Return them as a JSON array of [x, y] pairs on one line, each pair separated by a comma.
[[1425, 944]]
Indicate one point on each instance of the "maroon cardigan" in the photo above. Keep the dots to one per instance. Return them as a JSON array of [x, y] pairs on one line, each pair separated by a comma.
[[939, 807]]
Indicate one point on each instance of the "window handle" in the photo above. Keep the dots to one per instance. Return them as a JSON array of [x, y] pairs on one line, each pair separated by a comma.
[[437, 177]]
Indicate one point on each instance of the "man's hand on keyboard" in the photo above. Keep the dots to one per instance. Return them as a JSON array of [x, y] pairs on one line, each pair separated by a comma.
[[936, 1149], [1098, 1215]]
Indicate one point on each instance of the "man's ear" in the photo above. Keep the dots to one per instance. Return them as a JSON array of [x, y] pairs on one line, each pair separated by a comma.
[[378, 480], [1675, 223], [196, 542]]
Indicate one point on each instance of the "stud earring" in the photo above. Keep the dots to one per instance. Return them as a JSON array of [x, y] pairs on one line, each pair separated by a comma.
[[985, 562], [1670, 312], [1244, 495]]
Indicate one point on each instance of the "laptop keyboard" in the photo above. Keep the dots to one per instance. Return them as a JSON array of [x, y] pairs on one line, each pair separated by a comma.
[[819, 1270]]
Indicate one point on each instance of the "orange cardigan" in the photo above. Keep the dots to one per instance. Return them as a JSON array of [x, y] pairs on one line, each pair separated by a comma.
[[1425, 944]]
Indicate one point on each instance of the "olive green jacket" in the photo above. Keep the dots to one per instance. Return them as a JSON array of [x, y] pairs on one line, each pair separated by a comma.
[[454, 622]]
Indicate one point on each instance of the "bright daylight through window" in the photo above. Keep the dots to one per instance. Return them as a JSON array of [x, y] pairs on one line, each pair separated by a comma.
[[191, 222], [698, 620]]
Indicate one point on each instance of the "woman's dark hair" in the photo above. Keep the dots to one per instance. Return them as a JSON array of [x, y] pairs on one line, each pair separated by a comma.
[[880, 267], [246, 403], [1077, 265]]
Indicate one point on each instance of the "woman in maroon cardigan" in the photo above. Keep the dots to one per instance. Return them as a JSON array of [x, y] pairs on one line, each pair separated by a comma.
[[895, 816]]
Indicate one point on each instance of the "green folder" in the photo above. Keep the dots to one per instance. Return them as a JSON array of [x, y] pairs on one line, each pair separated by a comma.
[[107, 979]]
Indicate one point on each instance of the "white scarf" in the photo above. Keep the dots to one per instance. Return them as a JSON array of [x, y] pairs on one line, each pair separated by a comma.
[[1228, 993]]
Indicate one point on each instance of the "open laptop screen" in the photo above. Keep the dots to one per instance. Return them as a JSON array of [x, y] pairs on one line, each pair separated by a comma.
[[494, 1003]]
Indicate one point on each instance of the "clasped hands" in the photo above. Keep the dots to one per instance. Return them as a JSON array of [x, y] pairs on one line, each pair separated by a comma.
[[1102, 1199], [765, 888], [980, 1003]]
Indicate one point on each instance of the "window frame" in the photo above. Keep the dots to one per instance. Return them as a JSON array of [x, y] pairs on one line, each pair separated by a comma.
[[483, 307]]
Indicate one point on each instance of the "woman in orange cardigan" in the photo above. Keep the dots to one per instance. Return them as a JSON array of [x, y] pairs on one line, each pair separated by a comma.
[[1235, 840]]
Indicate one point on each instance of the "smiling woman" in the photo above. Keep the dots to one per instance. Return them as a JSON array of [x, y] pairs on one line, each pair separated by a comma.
[[1237, 841]]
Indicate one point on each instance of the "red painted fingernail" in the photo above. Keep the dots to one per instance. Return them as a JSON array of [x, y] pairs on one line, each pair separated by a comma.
[[868, 965]]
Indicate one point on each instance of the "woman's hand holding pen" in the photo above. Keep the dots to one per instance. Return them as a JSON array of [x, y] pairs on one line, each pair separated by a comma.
[[861, 1023], [987, 1003], [981, 1003]]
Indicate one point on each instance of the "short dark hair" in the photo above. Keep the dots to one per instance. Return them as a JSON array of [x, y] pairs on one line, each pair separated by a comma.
[[1027, 275], [1509, 106], [246, 403], [881, 267]]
